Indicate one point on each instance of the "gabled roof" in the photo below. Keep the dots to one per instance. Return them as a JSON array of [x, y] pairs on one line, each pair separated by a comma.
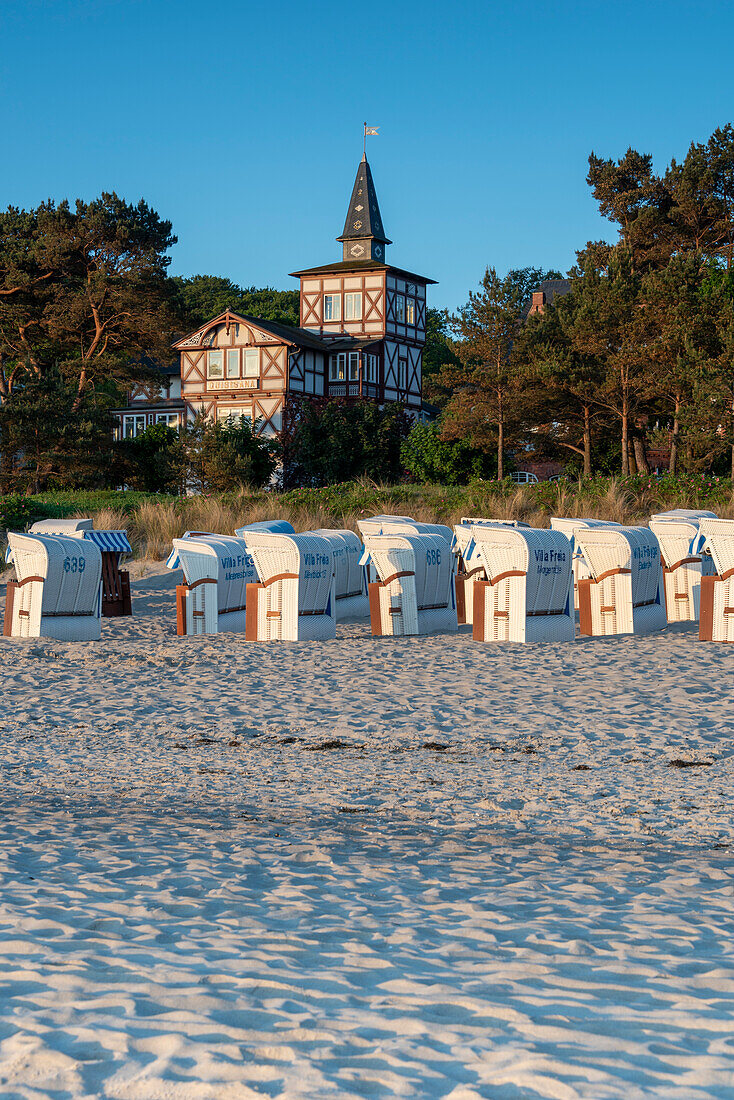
[[285, 334], [363, 215], [362, 265]]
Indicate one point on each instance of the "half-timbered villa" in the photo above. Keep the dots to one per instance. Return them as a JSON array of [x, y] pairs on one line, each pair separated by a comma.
[[362, 332]]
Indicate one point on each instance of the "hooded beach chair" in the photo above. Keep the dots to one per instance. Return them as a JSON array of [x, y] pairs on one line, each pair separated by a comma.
[[350, 589], [694, 514], [525, 592], [217, 570], [57, 594], [294, 597], [275, 526], [113, 545], [684, 563], [468, 571], [568, 525], [716, 623], [413, 592], [624, 592], [372, 525]]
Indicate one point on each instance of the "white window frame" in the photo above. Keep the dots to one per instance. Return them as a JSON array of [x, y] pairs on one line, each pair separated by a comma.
[[410, 311], [334, 307], [232, 357], [138, 425], [371, 369], [338, 367], [233, 412], [251, 363], [170, 419], [353, 305], [213, 369], [354, 366], [400, 308], [402, 374]]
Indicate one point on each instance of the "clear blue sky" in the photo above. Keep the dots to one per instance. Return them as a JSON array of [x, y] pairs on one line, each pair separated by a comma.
[[242, 122]]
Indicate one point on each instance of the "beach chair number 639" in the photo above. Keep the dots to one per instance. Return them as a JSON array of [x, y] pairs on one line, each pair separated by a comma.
[[74, 565]]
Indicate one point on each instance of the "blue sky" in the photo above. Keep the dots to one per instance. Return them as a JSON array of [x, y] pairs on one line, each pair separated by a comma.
[[242, 122]]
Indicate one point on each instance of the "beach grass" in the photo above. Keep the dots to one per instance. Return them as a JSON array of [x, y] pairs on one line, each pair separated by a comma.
[[153, 520]]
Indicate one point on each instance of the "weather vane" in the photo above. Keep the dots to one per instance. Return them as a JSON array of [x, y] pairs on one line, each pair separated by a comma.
[[369, 131]]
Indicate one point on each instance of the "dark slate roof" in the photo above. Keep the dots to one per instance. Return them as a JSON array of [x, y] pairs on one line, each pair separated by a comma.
[[290, 334], [554, 287], [362, 265], [363, 216]]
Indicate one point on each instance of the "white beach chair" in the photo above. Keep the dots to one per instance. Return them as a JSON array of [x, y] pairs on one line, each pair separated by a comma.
[[568, 525], [350, 587], [624, 594], [684, 564], [71, 527], [414, 590], [57, 594], [470, 569], [716, 623], [275, 526], [695, 514], [217, 570], [113, 545], [525, 593], [294, 598], [372, 525]]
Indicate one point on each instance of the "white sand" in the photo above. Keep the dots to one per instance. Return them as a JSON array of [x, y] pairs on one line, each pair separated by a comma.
[[197, 904]]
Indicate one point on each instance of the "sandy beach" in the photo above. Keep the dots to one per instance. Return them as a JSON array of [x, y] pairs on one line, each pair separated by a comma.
[[415, 867]]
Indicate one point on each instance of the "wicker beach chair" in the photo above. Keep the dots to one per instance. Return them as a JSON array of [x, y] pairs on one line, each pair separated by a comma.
[[294, 598], [372, 525], [350, 586], [113, 545], [275, 526], [524, 594], [217, 570], [624, 593], [568, 525], [716, 622], [57, 594], [413, 592], [684, 564], [470, 569]]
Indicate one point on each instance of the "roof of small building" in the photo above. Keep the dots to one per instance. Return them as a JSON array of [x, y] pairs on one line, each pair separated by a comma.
[[362, 265], [553, 287]]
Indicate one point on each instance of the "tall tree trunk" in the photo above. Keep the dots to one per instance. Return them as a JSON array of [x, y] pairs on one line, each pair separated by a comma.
[[625, 438], [638, 442], [732, 437], [674, 437], [631, 458], [500, 437], [587, 441]]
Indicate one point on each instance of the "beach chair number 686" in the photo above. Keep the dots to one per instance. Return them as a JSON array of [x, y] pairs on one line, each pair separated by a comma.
[[433, 557], [74, 565]]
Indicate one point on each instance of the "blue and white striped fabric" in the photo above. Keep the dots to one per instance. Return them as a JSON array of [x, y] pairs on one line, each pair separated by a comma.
[[110, 540], [173, 561]]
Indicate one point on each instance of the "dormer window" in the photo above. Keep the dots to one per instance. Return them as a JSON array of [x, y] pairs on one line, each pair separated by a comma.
[[332, 307]]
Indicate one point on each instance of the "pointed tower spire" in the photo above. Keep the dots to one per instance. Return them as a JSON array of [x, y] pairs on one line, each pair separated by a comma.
[[363, 237]]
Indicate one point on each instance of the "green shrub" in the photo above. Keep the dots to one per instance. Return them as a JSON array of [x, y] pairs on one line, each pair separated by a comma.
[[429, 458]]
